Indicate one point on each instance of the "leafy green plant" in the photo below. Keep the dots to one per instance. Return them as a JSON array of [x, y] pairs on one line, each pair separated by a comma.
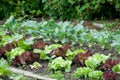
[[94, 61], [44, 54], [25, 44], [81, 72], [84, 9], [71, 54], [102, 38], [61, 32], [11, 39], [95, 75], [57, 75], [20, 8], [35, 65], [116, 42], [87, 73], [14, 52], [4, 68], [49, 48], [116, 68], [60, 64]]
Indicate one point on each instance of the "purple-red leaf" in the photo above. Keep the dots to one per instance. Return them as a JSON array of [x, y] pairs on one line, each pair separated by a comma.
[[39, 44], [26, 57], [109, 75], [109, 64], [2, 52], [81, 57], [9, 46], [60, 51]]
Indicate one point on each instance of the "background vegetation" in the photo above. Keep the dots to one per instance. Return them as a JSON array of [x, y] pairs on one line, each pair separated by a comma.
[[62, 9]]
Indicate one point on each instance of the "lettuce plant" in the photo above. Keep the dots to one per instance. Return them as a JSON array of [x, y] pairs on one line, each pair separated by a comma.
[[116, 68], [81, 57], [109, 64], [81, 72], [60, 64], [95, 60], [71, 54], [44, 54], [87, 73], [4, 68], [110, 75], [95, 75], [60, 51], [25, 57], [14, 52]]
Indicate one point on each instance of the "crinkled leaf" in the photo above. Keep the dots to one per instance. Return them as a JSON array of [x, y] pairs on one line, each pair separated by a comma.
[[4, 68], [110, 75], [70, 55], [81, 57], [95, 75], [43, 54], [81, 72], [109, 64], [60, 51], [116, 68], [25, 57], [95, 60], [60, 64], [14, 52]]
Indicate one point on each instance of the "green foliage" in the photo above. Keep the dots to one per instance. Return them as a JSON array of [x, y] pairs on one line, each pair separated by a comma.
[[87, 73], [95, 75], [81, 72], [25, 44], [116, 68], [60, 64], [94, 61], [116, 41], [9, 39], [9, 24], [61, 32], [61, 9], [35, 65], [44, 53], [20, 7], [14, 52], [4, 68], [71, 54], [85, 9], [57, 75]]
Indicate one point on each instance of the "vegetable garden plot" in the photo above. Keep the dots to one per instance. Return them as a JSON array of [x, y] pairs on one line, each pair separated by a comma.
[[60, 50]]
